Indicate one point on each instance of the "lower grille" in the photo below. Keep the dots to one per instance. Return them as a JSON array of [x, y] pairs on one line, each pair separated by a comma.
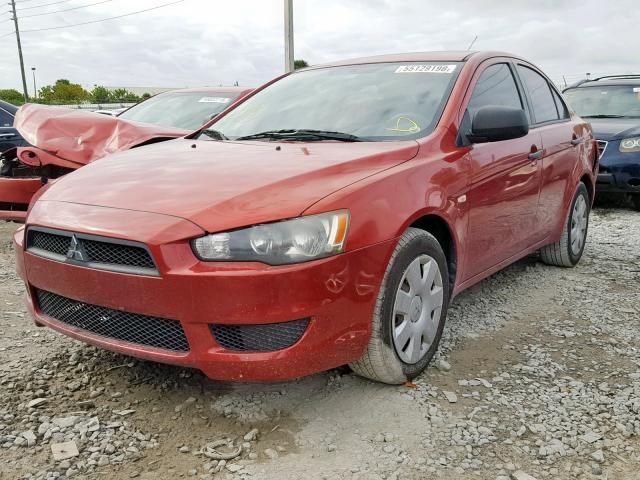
[[128, 327], [259, 338]]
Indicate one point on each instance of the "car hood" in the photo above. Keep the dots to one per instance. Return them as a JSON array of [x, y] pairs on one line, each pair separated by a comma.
[[82, 137], [610, 129], [223, 185]]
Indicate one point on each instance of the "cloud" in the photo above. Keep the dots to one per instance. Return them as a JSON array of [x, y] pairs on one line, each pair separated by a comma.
[[204, 42]]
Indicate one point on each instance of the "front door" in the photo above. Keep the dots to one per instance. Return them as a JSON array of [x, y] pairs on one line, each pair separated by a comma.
[[504, 180]]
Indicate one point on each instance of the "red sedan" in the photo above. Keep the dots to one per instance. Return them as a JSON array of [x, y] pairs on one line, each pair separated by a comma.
[[328, 219]]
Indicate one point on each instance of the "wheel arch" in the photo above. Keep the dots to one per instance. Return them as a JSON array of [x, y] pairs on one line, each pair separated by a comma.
[[588, 182], [441, 230]]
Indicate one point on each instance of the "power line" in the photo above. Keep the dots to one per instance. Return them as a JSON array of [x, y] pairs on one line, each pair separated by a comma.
[[103, 19], [44, 5], [65, 10]]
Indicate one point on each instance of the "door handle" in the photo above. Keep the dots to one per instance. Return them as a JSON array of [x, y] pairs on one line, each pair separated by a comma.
[[536, 155], [576, 141]]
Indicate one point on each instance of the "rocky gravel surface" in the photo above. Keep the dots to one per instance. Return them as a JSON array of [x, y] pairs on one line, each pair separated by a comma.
[[538, 377]]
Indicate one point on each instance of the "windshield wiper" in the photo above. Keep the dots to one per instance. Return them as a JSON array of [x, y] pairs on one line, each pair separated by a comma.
[[302, 135], [214, 134], [603, 116]]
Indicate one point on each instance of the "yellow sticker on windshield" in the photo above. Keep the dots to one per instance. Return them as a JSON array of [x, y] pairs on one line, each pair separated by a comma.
[[405, 125]]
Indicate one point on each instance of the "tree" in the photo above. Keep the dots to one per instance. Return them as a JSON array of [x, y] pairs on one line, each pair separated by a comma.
[[63, 92], [101, 95], [145, 96], [124, 95], [297, 64], [12, 96]]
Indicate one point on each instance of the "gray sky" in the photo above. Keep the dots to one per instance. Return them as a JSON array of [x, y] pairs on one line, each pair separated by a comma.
[[211, 42]]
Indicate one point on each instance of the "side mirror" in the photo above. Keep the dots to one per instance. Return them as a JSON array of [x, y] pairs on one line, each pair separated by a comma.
[[495, 123]]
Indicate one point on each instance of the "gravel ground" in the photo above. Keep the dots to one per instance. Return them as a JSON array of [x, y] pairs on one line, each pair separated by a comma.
[[538, 378]]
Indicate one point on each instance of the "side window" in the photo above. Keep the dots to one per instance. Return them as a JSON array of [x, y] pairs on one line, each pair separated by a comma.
[[544, 106], [6, 120], [560, 105], [496, 86]]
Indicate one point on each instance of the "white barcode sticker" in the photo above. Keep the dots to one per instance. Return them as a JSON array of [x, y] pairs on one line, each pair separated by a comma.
[[636, 90], [214, 100], [426, 68]]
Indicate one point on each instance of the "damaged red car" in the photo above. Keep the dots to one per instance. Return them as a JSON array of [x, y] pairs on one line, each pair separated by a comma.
[[328, 219], [62, 140]]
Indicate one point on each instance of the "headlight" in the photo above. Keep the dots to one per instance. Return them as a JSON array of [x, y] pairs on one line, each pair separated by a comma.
[[280, 243], [630, 145]]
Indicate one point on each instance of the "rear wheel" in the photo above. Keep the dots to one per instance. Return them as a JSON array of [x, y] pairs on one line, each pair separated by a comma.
[[410, 311], [635, 201], [568, 250]]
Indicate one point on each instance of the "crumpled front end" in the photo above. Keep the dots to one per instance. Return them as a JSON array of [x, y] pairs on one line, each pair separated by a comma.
[[24, 171], [82, 137]]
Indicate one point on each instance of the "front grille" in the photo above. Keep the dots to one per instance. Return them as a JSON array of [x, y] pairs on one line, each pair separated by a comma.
[[602, 146], [49, 242], [116, 324], [91, 251], [259, 338], [102, 252]]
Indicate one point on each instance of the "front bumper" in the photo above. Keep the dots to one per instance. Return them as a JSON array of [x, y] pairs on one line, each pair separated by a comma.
[[619, 172], [336, 294]]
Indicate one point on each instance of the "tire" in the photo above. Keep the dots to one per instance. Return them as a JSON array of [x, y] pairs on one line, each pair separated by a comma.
[[568, 251], [635, 201], [422, 313]]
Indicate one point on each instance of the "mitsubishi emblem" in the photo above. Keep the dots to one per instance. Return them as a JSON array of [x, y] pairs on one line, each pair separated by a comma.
[[76, 252]]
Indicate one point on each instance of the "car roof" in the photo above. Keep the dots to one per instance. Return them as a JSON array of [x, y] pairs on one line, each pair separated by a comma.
[[436, 56], [237, 90], [12, 109]]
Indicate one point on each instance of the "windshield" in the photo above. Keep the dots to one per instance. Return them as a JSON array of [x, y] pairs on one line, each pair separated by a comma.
[[605, 101], [186, 110], [384, 101]]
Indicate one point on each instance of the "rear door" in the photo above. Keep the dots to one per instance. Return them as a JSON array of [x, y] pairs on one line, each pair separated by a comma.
[[505, 177], [561, 145]]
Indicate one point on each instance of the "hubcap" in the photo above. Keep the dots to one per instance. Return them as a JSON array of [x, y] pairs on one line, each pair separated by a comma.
[[579, 220], [417, 309]]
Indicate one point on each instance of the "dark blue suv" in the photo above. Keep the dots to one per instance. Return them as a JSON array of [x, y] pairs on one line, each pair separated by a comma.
[[612, 105], [9, 136]]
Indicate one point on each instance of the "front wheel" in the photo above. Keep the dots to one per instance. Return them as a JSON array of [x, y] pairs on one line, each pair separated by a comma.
[[568, 250], [410, 311]]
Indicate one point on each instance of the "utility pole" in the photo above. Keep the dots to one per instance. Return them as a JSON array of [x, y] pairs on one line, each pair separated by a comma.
[[288, 36], [24, 77]]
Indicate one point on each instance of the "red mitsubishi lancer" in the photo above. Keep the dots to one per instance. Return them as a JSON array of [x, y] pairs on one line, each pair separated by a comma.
[[328, 219]]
